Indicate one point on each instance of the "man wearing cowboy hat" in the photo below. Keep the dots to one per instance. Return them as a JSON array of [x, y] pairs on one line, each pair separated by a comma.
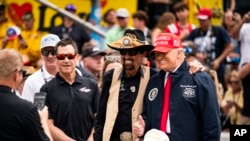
[[123, 89]]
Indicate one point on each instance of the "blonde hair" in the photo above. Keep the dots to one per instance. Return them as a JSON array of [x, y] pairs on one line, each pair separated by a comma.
[[10, 60]]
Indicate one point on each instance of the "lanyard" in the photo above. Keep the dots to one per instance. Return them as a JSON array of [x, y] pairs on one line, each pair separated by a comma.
[[44, 78]]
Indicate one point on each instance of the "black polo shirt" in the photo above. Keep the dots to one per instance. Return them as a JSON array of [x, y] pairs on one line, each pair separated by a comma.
[[19, 120], [72, 107]]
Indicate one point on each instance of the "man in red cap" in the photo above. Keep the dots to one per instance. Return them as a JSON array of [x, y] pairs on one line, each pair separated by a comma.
[[213, 42], [187, 108], [123, 89]]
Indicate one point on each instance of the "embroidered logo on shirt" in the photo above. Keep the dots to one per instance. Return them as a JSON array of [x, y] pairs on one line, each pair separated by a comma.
[[84, 89], [132, 88], [189, 92], [152, 94]]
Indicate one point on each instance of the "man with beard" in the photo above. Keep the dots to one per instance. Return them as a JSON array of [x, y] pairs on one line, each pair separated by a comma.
[[123, 90]]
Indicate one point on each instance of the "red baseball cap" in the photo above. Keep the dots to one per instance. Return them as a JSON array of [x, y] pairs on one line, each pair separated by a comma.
[[165, 42], [204, 14]]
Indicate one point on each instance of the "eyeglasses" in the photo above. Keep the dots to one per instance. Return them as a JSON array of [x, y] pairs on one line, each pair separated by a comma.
[[113, 58], [234, 82], [22, 71], [129, 52], [47, 52], [63, 56]]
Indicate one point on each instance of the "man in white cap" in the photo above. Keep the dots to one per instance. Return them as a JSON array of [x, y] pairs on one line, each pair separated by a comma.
[[48, 70], [122, 15]]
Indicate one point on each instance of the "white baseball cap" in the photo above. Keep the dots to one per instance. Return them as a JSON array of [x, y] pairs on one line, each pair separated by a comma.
[[156, 135], [122, 12], [49, 40]]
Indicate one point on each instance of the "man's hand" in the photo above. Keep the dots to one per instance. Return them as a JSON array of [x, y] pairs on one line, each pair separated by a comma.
[[44, 114], [195, 66], [4, 42], [139, 126], [215, 64]]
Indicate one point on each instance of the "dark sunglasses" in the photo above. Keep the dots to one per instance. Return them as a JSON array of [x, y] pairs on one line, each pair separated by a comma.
[[234, 82], [120, 18], [129, 52], [63, 56], [47, 52]]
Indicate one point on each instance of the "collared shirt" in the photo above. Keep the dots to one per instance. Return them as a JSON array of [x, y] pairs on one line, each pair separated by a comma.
[[127, 96], [165, 81], [72, 106], [193, 96], [34, 82]]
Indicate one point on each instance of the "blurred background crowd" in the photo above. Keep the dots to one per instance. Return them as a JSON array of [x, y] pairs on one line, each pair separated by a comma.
[[219, 39]]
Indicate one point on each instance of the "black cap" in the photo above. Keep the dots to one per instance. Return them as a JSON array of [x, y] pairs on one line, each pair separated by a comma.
[[92, 51]]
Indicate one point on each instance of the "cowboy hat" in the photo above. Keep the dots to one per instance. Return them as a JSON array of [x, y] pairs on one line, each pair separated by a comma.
[[132, 39]]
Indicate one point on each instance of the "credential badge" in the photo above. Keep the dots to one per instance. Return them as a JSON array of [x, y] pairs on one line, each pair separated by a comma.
[[189, 92], [152, 94]]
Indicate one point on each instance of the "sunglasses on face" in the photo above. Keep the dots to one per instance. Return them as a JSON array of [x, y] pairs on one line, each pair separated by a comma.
[[47, 52], [63, 56], [113, 58], [129, 52], [120, 18]]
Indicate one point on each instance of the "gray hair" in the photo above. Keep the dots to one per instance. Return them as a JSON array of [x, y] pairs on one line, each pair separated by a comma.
[[10, 60]]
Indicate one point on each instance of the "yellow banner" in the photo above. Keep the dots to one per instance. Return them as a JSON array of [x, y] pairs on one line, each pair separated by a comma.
[[215, 5], [46, 17]]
